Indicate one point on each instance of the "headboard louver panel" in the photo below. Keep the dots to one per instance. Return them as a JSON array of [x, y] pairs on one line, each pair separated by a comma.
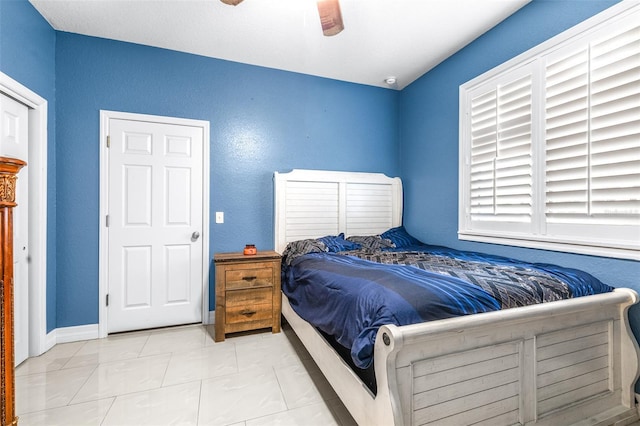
[[315, 203], [369, 209], [304, 201]]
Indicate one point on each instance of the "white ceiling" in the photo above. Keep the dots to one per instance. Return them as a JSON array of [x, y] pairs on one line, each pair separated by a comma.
[[382, 38]]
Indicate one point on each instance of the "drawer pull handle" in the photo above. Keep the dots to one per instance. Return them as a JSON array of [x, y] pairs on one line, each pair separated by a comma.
[[247, 312], [249, 278]]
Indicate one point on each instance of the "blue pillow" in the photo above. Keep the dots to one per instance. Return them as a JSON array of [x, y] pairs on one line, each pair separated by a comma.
[[336, 243], [400, 237]]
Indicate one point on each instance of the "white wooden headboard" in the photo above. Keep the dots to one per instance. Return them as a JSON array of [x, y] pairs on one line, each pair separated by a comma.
[[315, 203]]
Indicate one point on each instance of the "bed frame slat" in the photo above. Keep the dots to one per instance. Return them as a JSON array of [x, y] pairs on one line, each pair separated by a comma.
[[465, 373], [501, 412], [488, 376], [588, 375]]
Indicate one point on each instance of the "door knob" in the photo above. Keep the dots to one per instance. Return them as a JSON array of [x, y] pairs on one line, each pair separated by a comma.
[[195, 236]]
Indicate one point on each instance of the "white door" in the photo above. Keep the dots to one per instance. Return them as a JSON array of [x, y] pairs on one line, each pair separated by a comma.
[[155, 220], [14, 143]]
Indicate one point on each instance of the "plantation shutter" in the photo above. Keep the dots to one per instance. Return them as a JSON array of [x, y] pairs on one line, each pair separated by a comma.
[[550, 143], [615, 127], [483, 153], [567, 136], [500, 160], [592, 151]]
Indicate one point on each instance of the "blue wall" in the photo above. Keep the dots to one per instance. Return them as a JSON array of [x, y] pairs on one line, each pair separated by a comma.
[[262, 120], [429, 138], [27, 55]]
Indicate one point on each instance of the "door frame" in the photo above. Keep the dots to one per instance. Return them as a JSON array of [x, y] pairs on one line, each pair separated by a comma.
[[37, 162], [105, 116]]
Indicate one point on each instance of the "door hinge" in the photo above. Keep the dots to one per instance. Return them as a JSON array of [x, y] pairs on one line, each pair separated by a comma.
[[107, 299], [108, 141], [107, 221]]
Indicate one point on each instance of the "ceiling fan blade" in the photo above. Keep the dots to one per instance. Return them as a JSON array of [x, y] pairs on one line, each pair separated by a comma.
[[330, 17], [231, 2]]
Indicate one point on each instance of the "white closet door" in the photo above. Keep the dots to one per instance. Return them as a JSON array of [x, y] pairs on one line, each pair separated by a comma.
[[14, 143], [155, 221]]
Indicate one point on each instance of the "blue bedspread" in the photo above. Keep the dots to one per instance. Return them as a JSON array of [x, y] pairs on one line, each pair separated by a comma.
[[350, 295]]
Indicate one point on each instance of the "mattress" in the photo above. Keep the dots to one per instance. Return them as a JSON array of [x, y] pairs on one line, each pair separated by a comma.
[[348, 291]]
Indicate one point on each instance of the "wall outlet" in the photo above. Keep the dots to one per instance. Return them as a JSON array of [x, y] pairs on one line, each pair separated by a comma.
[[219, 217]]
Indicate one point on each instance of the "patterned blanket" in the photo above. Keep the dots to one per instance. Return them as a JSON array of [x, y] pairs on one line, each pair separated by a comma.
[[511, 285]]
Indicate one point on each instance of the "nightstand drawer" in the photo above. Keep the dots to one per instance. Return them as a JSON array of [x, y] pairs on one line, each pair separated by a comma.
[[258, 296], [248, 313], [249, 278]]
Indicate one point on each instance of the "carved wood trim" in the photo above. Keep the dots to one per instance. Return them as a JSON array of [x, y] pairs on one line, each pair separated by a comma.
[[8, 190]]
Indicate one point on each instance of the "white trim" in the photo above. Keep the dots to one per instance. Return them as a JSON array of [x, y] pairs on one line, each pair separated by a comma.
[[561, 246], [76, 333], [105, 116], [38, 145], [50, 339]]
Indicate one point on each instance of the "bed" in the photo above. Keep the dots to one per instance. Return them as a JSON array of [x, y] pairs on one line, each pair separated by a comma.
[[570, 361]]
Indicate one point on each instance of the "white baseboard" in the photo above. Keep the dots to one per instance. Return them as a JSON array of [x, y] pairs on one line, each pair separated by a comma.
[[50, 341], [77, 333], [87, 332]]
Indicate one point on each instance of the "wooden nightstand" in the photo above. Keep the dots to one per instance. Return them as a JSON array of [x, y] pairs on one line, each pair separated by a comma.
[[247, 292]]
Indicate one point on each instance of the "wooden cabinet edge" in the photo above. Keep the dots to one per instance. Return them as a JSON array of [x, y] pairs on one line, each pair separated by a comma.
[[9, 168]]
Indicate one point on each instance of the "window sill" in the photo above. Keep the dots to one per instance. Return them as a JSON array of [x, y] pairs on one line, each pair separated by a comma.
[[562, 246]]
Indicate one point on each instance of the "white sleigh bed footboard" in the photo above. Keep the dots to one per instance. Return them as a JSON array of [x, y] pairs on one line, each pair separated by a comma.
[[559, 363]]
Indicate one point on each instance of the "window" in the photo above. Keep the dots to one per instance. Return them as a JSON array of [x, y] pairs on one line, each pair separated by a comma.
[[550, 143]]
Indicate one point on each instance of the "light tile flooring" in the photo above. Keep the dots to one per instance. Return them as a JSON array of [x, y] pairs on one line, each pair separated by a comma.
[[177, 376]]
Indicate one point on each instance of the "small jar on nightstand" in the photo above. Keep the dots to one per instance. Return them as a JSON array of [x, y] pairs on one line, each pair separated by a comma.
[[247, 292]]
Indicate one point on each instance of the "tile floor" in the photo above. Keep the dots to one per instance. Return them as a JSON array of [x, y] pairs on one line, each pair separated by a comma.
[[177, 376]]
